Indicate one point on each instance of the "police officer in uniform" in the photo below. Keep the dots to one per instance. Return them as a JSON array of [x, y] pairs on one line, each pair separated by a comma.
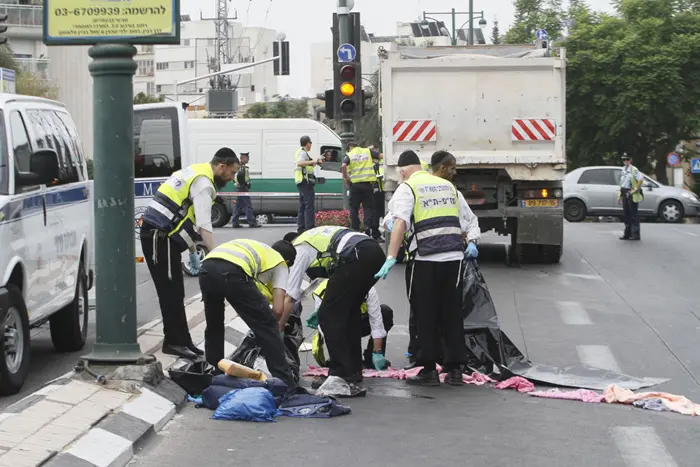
[[244, 204], [631, 195], [377, 321], [349, 259], [251, 276], [428, 208], [178, 216], [358, 172], [306, 181]]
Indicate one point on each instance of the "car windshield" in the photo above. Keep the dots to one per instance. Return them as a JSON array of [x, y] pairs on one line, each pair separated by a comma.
[[4, 158]]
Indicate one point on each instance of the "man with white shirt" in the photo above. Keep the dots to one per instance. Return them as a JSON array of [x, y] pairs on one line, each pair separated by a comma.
[[438, 221], [349, 259], [178, 216]]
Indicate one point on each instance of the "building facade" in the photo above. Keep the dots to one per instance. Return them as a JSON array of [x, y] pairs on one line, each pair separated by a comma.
[[24, 35]]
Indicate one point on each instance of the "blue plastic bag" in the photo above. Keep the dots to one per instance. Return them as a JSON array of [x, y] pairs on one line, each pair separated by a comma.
[[250, 404]]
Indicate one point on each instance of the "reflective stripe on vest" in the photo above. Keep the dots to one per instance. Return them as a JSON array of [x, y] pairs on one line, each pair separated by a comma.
[[436, 225], [171, 210], [253, 257], [361, 166], [320, 292], [301, 173], [325, 240]]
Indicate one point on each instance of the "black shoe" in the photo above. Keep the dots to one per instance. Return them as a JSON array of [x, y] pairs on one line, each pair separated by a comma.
[[255, 226], [357, 391], [194, 349], [454, 378], [179, 351], [624, 238], [411, 366], [317, 383], [425, 378], [236, 226], [635, 238]]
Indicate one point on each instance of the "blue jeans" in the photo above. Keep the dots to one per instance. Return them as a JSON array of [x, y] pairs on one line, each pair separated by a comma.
[[306, 215]]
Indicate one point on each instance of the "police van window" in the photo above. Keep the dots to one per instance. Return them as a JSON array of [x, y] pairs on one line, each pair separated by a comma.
[[73, 169], [157, 151], [20, 143], [4, 158], [46, 135], [75, 144]]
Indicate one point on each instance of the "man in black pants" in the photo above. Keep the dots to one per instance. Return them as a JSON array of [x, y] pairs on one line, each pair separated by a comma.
[[359, 175], [350, 260], [251, 276], [631, 195]]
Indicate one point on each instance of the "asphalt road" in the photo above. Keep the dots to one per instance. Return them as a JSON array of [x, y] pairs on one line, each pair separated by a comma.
[[47, 364], [631, 306]]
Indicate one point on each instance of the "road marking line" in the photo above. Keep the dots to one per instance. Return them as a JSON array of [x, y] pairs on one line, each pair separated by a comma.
[[574, 314], [691, 234], [583, 276], [597, 356], [640, 446]]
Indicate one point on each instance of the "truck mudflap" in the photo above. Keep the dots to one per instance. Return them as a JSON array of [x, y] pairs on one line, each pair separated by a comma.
[[540, 226]]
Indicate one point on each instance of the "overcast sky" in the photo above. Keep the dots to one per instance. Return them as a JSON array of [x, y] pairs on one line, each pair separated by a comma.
[[311, 23]]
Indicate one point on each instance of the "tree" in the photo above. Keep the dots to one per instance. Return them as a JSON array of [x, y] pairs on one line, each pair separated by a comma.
[[531, 15], [496, 37], [369, 128], [143, 98], [633, 83], [284, 108], [26, 83]]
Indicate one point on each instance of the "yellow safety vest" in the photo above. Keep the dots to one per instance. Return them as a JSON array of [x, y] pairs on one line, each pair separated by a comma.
[[172, 211], [253, 257], [361, 166], [436, 225], [425, 166], [321, 291], [301, 173], [325, 241]]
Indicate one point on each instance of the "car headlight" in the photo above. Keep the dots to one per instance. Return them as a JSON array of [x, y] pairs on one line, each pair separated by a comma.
[[690, 196]]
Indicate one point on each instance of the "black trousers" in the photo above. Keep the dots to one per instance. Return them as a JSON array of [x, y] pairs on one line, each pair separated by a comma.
[[166, 272], [413, 342], [436, 296], [362, 194], [379, 212], [221, 280], [631, 210], [339, 314], [306, 214], [388, 319]]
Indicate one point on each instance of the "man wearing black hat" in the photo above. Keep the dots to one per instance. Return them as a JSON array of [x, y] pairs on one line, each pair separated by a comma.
[[428, 208], [631, 195], [244, 205]]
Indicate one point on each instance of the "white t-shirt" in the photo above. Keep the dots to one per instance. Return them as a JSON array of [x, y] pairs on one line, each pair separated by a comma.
[[278, 276], [202, 193]]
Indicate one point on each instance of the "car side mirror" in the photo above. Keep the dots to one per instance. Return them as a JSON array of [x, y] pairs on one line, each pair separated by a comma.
[[43, 169], [648, 186]]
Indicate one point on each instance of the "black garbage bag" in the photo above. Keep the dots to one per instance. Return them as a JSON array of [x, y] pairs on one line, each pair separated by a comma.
[[194, 377], [249, 351], [491, 352]]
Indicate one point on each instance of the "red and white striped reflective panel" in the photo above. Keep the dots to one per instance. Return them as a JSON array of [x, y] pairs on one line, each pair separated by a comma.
[[418, 131], [533, 129]]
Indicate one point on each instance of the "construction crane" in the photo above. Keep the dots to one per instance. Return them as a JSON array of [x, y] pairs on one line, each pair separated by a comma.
[[223, 44]]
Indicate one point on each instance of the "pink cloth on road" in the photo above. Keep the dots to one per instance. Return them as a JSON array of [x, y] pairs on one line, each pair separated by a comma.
[[584, 395], [475, 378], [516, 382], [679, 404]]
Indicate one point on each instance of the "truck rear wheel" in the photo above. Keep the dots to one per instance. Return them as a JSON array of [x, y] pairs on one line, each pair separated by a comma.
[[537, 254]]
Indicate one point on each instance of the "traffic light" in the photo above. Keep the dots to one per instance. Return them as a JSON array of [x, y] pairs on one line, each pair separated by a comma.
[[329, 99], [3, 29], [366, 107], [281, 49], [348, 90]]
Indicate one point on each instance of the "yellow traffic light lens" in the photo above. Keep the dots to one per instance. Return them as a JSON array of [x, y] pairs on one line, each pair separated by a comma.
[[347, 89], [545, 193]]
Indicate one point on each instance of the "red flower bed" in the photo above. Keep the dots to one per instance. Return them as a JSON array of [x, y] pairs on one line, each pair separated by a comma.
[[338, 217]]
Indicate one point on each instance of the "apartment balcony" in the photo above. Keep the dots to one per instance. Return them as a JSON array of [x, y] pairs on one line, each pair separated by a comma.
[[36, 66], [23, 21]]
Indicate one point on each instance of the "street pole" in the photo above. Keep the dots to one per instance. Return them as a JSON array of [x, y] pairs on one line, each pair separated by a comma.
[[112, 69], [471, 23], [347, 126], [454, 27]]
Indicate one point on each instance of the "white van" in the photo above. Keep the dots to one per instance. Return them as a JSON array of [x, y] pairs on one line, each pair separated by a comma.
[[45, 232]]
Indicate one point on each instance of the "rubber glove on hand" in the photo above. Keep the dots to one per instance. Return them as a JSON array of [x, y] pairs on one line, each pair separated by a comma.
[[472, 251], [389, 224], [386, 267], [379, 361], [312, 322], [195, 263]]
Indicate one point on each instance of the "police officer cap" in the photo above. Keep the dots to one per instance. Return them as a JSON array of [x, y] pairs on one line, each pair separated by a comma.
[[626, 157], [245, 154], [408, 158]]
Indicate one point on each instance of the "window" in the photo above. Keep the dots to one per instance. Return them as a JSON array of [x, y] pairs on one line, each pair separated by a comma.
[[73, 143], [20, 143], [4, 157], [189, 64], [159, 88], [156, 142], [597, 177], [162, 66]]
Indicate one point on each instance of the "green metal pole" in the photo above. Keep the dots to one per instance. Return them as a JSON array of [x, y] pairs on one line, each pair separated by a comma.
[[471, 22], [112, 69], [454, 27], [347, 126]]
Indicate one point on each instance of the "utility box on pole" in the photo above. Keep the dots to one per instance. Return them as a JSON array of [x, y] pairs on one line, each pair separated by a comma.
[[222, 103]]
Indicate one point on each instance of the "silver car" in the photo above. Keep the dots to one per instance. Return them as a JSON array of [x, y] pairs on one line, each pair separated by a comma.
[[594, 191]]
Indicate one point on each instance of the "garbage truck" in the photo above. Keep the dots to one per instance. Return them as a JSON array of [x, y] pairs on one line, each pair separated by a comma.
[[500, 110]]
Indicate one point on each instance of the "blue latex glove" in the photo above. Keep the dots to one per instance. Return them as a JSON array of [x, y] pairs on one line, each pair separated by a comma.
[[379, 361], [389, 224], [472, 251], [386, 267], [312, 322], [195, 263]]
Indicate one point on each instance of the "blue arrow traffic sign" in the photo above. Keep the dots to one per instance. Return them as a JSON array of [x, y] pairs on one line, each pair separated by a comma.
[[695, 166], [542, 34], [347, 53]]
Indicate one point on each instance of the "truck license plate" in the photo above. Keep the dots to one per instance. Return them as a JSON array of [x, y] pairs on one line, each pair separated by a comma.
[[540, 203]]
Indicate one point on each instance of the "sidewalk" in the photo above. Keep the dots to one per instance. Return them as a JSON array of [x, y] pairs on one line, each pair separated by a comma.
[[76, 423]]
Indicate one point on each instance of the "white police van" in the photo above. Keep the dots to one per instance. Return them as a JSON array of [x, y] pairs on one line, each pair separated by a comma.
[[45, 230]]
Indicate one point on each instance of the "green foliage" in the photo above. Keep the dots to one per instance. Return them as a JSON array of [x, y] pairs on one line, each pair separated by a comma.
[[496, 37], [284, 108], [369, 127], [633, 83], [26, 83], [143, 98], [531, 15]]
